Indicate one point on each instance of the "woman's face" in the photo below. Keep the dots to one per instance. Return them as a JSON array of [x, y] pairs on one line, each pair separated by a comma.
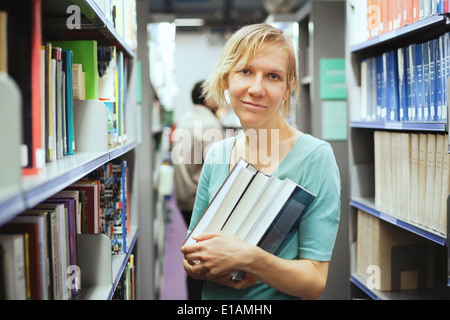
[[257, 90]]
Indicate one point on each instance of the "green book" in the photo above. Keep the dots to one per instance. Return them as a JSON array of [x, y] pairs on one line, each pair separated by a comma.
[[84, 52]]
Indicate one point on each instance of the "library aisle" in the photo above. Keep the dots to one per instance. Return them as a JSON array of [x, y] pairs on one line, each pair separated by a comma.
[[174, 285]]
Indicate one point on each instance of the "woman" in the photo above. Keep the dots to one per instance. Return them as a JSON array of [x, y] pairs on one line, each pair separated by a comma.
[[258, 70]]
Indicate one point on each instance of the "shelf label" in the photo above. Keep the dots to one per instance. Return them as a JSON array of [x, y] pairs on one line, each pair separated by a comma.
[[388, 218]]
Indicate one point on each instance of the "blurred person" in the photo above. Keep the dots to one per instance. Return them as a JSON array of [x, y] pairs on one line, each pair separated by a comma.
[[196, 130]]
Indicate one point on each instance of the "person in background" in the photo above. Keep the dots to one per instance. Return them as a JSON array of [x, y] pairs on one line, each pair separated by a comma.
[[187, 157], [258, 69]]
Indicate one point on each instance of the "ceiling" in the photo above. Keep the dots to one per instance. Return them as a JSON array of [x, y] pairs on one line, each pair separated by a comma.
[[223, 13]]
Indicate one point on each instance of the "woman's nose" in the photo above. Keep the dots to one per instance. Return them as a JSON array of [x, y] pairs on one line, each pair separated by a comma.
[[256, 87]]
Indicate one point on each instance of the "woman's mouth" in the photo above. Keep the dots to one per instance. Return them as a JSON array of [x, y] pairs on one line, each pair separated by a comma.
[[252, 105]]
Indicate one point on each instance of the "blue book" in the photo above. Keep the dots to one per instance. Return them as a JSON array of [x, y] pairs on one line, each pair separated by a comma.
[[379, 71], [446, 51], [440, 76], [384, 87], [67, 57], [432, 79], [392, 105], [411, 61], [419, 83], [426, 81], [402, 85]]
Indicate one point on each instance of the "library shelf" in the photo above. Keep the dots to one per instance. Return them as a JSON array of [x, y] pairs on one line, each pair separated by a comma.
[[434, 25], [437, 293], [95, 24], [105, 270], [362, 153], [54, 177], [396, 125], [368, 205]]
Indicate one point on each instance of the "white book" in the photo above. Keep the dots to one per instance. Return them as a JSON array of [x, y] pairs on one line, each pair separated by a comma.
[[12, 257], [248, 200]]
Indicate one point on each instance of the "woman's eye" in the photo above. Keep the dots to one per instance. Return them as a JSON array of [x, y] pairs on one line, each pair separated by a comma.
[[274, 76], [245, 71]]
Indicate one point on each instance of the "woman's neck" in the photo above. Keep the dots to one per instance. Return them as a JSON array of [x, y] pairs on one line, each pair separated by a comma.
[[266, 148]]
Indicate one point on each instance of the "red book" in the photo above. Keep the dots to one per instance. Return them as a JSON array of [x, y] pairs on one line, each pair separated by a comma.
[[34, 278], [24, 33]]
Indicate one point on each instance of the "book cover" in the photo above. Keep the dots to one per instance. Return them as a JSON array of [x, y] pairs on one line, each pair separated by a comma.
[[218, 198], [280, 219], [411, 69], [267, 194], [69, 234], [231, 199], [12, 263], [91, 203], [426, 81], [67, 58], [39, 219], [3, 41], [24, 39], [44, 217], [402, 85], [430, 179], [112, 178], [393, 86], [420, 97], [57, 55], [60, 245], [34, 266], [440, 75], [432, 79], [248, 200], [85, 53]]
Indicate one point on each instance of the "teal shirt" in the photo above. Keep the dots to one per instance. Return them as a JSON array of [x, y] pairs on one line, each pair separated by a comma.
[[310, 163]]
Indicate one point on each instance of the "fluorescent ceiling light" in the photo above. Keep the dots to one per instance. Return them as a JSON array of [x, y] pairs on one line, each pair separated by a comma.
[[189, 22]]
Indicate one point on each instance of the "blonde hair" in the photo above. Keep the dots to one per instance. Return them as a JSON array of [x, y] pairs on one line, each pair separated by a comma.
[[241, 47]]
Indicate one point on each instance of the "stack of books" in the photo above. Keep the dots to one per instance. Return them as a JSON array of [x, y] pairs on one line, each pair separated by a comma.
[[260, 209]]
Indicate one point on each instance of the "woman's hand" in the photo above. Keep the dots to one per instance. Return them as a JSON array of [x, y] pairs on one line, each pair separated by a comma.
[[216, 255]]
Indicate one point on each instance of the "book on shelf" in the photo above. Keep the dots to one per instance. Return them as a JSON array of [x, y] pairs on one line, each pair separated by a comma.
[[260, 209], [12, 267], [40, 219], [32, 256], [91, 201], [85, 53], [24, 37], [67, 58], [375, 18], [410, 83], [3, 41], [405, 260], [113, 197], [419, 163]]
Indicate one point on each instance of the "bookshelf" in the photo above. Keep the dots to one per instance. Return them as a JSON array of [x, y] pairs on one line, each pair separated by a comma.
[[102, 271], [363, 154]]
